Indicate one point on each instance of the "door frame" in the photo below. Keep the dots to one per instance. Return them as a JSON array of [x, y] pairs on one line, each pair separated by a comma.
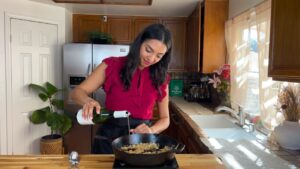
[[6, 129]]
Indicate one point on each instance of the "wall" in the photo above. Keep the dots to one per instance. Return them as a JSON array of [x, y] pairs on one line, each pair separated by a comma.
[[68, 26], [238, 6], [34, 10]]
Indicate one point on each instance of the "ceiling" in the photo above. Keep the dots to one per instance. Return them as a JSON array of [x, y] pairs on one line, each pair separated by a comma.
[[166, 8]]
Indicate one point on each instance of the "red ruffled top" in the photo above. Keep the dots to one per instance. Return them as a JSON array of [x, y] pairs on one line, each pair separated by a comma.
[[140, 99]]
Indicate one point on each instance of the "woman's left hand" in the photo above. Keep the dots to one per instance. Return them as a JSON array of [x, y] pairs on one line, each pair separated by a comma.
[[142, 128]]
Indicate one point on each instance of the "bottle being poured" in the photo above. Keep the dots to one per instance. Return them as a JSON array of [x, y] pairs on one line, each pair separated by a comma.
[[102, 117]]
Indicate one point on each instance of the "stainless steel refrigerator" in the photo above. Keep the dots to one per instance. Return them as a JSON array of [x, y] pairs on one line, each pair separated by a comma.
[[79, 60]]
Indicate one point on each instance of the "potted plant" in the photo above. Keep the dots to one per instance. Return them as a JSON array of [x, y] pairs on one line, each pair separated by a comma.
[[59, 123], [287, 134], [98, 37]]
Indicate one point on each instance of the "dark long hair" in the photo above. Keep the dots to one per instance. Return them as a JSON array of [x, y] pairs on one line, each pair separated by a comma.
[[159, 70]]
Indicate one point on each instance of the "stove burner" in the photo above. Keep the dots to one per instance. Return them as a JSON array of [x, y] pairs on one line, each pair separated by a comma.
[[171, 164]]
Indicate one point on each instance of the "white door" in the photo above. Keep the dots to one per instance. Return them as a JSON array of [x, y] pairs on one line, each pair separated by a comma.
[[33, 50]]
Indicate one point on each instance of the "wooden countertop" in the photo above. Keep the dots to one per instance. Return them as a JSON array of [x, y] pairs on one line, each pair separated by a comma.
[[185, 161]]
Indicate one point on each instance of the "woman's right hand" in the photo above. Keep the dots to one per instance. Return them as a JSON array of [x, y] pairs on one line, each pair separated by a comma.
[[89, 107]]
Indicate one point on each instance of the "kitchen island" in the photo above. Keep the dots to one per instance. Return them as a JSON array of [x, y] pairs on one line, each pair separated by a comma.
[[185, 161]]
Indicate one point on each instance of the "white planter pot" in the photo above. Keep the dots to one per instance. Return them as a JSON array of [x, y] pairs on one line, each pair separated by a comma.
[[287, 135]]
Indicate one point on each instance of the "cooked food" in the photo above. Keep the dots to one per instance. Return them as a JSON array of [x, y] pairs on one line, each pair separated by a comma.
[[144, 148]]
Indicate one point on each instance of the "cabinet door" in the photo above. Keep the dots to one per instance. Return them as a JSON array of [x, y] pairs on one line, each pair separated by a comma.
[[192, 60], [120, 29], [83, 25], [284, 62], [177, 28], [78, 139], [141, 23], [214, 46]]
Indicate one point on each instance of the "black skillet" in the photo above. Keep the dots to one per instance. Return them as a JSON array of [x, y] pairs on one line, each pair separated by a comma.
[[146, 159]]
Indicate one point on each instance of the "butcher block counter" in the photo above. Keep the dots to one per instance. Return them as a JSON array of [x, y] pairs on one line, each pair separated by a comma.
[[185, 161]]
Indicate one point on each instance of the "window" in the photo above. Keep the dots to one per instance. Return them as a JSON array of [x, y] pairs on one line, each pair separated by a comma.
[[247, 38]]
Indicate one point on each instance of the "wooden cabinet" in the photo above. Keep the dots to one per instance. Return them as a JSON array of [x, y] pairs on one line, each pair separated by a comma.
[[78, 139], [206, 36], [284, 59], [120, 28], [83, 24], [192, 60], [214, 47], [177, 28], [141, 23], [181, 130]]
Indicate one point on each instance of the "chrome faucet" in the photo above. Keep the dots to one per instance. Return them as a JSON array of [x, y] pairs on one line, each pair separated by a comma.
[[240, 116]]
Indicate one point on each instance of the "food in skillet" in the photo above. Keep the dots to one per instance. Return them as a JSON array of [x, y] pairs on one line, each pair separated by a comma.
[[144, 148]]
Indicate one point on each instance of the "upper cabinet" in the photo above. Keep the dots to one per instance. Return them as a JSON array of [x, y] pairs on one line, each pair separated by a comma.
[[120, 28], [84, 24], [142, 22], [192, 60], [177, 28], [215, 14], [206, 48], [284, 60]]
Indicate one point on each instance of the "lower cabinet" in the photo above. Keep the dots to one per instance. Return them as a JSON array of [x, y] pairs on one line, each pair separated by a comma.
[[181, 131]]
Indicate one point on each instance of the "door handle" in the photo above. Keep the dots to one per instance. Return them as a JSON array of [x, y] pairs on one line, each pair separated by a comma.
[[89, 71]]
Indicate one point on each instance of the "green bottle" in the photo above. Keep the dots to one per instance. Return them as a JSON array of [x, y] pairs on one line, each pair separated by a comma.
[[102, 117]]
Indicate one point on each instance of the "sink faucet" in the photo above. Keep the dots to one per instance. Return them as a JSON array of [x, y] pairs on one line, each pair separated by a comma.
[[240, 116]]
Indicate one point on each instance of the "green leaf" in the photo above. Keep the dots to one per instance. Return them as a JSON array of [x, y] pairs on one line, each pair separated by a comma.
[[38, 117], [66, 125], [38, 88], [51, 89], [55, 121], [43, 96], [58, 103]]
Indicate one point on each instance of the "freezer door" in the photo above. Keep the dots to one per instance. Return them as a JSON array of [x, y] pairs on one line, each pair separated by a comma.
[[77, 65], [77, 59], [101, 52]]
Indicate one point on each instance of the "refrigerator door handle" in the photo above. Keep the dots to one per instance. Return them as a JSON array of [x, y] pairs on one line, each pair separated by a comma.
[[89, 70]]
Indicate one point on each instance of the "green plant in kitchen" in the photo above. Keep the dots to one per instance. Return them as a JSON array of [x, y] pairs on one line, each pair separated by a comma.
[[221, 82], [57, 122], [98, 37]]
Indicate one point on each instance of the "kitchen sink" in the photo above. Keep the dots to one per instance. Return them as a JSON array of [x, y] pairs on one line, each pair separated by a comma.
[[213, 121], [221, 126]]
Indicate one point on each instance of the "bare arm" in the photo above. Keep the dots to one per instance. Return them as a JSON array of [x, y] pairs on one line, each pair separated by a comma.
[[80, 94], [164, 118]]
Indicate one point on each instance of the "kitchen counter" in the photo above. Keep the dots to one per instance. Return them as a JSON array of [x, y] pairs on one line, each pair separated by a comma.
[[239, 153], [186, 161]]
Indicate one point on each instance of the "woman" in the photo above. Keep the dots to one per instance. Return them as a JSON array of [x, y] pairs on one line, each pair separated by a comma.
[[133, 83]]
